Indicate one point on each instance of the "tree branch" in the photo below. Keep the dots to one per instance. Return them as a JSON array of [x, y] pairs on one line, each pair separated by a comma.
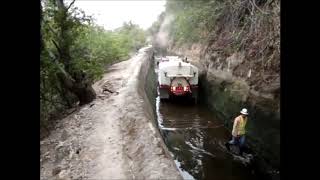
[[52, 30], [60, 4], [58, 48], [71, 4], [254, 4], [69, 79]]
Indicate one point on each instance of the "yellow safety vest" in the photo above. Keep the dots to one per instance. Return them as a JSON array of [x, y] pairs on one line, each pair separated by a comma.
[[242, 125]]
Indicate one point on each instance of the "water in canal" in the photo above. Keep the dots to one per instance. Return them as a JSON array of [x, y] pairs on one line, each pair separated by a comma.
[[196, 140]]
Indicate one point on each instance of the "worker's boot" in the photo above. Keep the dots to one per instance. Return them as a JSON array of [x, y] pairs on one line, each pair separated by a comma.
[[241, 151], [227, 146]]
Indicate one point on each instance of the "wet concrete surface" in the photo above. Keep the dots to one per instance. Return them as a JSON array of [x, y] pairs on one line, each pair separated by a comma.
[[196, 140]]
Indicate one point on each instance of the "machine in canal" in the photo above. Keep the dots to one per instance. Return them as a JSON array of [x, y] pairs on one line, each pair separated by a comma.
[[177, 77]]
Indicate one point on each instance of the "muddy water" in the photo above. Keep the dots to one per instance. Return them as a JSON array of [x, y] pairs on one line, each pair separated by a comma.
[[195, 139]]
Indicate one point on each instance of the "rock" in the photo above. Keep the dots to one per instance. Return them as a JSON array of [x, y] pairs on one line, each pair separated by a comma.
[[64, 135], [47, 155], [60, 144], [234, 60], [71, 154], [56, 171], [271, 88], [61, 153], [64, 175], [158, 151]]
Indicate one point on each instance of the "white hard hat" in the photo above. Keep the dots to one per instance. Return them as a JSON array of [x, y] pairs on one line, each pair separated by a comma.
[[244, 111]]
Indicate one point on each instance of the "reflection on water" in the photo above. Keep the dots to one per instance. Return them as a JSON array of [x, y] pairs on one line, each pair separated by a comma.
[[195, 138]]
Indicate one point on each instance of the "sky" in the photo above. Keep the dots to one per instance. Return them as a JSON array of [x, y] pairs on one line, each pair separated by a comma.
[[111, 13]]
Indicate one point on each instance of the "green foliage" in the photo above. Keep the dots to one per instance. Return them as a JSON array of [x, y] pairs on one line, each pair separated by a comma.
[[95, 48], [131, 35], [192, 19], [90, 47], [230, 25]]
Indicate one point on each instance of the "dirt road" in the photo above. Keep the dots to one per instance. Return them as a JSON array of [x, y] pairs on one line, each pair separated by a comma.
[[111, 138]]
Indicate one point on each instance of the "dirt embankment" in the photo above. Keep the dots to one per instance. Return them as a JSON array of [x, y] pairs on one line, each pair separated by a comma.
[[111, 138]]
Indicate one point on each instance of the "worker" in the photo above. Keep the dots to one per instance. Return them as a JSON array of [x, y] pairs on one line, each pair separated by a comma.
[[238, 131]]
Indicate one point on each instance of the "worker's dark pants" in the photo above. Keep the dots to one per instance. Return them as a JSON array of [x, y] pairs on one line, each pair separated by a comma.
[[238, 141]]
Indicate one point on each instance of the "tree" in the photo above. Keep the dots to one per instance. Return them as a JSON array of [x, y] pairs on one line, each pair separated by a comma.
[[71, 79], [74, 53]]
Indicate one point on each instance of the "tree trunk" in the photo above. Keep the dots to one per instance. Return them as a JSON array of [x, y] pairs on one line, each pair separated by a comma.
[[85, 93], [83, 89], [74, 81], [41, 41], [80, 87]]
